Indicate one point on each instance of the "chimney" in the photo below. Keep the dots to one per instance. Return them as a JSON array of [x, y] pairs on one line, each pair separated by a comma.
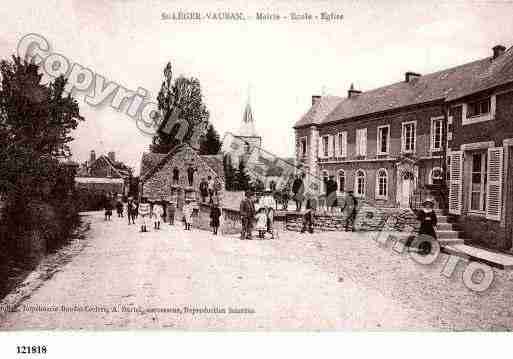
[[352, 92], [92, 157], [410, 76], [498, 50], [315, 99], [112, 156]]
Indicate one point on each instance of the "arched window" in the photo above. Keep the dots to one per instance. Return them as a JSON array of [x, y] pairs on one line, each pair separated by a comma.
[[382, 184], [341, 181], [436, 176], [360, 183]]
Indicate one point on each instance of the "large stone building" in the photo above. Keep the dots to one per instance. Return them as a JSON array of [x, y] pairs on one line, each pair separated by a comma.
[[394, 142], [104, 174]]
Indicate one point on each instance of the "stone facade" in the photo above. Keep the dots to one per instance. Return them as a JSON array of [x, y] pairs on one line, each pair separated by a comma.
[[158, 184], [468, 138]]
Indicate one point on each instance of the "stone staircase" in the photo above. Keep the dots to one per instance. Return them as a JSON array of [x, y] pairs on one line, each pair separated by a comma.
[[451, 242], [445, 231]]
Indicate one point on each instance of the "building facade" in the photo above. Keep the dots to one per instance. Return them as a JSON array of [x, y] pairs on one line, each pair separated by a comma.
[[447, 134]]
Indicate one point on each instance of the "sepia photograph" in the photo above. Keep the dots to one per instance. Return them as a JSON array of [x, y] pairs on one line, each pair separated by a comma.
[[275, 166]]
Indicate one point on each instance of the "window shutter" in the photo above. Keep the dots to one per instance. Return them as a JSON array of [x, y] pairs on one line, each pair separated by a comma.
[[330, 146], [433, 133], [319, 148], [337, 145], [363, 142], [456, 182], [494, 186], [344, 144]]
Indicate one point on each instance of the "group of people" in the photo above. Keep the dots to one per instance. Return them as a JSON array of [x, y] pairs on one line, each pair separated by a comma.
[[208, 189], [263, 218]]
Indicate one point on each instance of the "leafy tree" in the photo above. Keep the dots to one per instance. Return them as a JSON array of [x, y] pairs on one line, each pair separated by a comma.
[[35, 125], [211, 142], [184, 96], [229, 173]]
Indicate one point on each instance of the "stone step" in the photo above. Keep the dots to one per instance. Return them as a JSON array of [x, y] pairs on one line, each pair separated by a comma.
[[499, 260], [447, 234], [445, 227], [450, 241]]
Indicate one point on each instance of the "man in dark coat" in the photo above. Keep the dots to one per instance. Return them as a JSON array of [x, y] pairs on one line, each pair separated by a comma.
[[247, 213], [331, 193], [298, 190], [350, 209]]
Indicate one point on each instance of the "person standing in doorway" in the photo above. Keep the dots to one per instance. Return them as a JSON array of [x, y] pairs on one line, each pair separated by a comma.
[[331, 193], [203, 189]]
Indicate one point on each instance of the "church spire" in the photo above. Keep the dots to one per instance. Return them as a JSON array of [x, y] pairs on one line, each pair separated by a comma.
[[248, 123]]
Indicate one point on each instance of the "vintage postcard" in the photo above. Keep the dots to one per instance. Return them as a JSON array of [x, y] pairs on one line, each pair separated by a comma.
[[256, 166]]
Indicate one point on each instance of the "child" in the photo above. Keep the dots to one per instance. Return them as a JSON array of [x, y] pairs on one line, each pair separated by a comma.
[[427, 218], [187, 214], [261, 222], [119, 207], [144, 212], [215, 214], [158, 212]]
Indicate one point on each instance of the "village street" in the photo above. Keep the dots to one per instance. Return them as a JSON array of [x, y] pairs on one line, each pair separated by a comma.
[[319, 282]]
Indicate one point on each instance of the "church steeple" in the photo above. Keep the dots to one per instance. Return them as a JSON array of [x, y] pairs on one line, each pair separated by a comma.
[[248, 123]]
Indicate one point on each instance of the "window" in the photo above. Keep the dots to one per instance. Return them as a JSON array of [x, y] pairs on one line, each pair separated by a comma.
[[408, 137], [479, 111], [341, 181], [383, 139], [436, 134], [478, 182], [436, 176], [360, 183], [342, 144], [303, 148], [325, 146], [361, 142], [382, 184], [478, 108]]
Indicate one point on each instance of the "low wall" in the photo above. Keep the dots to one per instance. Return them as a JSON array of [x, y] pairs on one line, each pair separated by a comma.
[[483, 232]]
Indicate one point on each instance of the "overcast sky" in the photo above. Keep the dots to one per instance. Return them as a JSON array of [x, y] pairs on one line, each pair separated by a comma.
[[282, 62]]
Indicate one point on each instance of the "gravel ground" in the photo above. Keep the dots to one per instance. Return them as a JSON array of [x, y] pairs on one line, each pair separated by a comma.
[[327, 281]]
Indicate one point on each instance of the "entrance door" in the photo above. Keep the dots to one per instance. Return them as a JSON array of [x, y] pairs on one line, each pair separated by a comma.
[[406, 189]]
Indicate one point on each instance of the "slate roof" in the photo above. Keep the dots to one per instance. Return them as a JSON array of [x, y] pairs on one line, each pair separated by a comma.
[[319, 111], [446, 85]]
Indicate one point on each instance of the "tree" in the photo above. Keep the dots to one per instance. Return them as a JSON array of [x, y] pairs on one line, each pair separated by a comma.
[[184, 96], [35, 125], [229, 173], [211, 142]]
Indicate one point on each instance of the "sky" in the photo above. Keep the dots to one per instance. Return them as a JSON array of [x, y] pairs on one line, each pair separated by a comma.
[[276, 65]]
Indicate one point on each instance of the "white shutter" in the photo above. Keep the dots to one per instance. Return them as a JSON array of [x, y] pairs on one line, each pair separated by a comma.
[[494, 185], [330, 145], [456, 182], [337, 145], [344, 144], [364, 142], [319, 147]]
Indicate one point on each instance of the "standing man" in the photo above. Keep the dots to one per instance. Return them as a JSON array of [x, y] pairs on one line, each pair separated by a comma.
[[190, 175], [350, 209], [203, 188], [331, 193], [298, 190], [131, 209], [247, 213]]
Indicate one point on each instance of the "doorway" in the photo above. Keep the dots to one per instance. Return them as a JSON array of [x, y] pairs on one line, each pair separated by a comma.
[[406, 189]]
